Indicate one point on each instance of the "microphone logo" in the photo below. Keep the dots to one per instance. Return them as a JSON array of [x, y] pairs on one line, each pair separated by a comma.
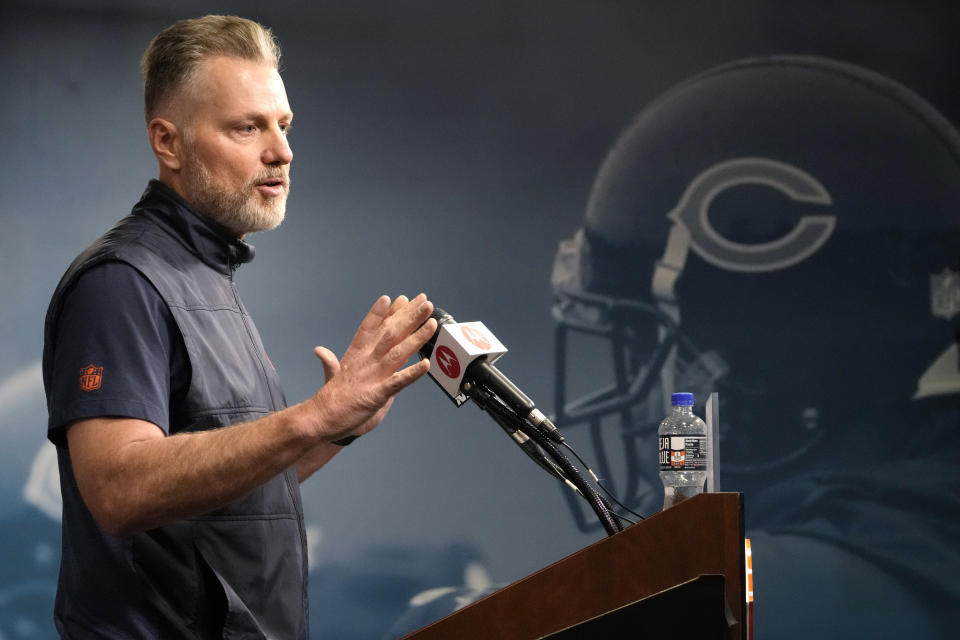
[[448, 362], [476, 338]]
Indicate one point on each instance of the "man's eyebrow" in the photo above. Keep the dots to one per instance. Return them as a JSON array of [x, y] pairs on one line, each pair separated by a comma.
[[257, 115]]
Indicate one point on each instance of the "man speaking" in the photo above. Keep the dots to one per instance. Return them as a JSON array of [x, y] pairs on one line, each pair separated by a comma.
[[179, 459]]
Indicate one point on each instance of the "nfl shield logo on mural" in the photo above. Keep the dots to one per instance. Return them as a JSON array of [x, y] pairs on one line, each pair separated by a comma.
[[91, 377], [945, 294]]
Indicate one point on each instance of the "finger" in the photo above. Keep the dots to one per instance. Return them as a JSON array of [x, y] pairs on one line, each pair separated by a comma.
[[388, 335], [419, 326], [412, 343], [331, 365], [401, 353], [403, 304], [371, 323], [399, 302], [399, 329], [405, 377]]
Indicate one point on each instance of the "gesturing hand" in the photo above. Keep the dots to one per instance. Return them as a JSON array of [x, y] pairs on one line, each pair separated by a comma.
[[360, 388]]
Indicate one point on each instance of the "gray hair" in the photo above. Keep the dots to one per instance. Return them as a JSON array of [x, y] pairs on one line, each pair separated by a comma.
[[171, 61]]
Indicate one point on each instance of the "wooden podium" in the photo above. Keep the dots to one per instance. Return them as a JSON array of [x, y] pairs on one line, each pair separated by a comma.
[[679, 571]]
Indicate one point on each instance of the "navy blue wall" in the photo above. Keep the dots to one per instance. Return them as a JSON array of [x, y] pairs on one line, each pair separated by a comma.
[[445, 147]]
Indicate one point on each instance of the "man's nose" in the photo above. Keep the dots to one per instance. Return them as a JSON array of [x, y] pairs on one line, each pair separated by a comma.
[[277, 150]]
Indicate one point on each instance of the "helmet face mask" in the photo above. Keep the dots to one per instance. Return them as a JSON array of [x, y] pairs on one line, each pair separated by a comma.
[[645, 348], [783, 231], [648, 357]]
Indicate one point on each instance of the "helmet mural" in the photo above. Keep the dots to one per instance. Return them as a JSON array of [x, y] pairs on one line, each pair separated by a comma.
[[784, 231]]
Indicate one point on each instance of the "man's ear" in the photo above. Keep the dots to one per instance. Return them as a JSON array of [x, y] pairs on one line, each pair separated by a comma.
[[166, 140]]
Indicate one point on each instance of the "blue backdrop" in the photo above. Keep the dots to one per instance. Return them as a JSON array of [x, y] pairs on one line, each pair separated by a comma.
[[450, 147]]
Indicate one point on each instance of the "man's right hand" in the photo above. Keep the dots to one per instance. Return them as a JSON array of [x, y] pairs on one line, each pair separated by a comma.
[[360, 388]]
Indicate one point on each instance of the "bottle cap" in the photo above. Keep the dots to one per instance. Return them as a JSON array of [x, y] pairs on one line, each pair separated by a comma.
[[681, 399]]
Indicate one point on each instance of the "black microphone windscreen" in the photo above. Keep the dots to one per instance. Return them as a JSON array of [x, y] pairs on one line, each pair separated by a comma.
[[442, 318]]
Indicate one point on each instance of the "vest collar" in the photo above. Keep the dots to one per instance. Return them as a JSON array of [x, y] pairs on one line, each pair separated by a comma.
[[209, 241]]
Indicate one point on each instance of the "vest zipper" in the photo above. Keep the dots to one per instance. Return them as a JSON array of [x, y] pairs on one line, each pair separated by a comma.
[[292, 491]]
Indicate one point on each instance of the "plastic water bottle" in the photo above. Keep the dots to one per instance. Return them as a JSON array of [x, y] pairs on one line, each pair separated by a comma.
[[684, 451]]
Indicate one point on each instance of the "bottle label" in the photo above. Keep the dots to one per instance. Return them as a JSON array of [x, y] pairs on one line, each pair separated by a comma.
[[683, 453]]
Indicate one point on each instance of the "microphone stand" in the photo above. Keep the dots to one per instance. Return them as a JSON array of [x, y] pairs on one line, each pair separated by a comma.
[[535, 444]]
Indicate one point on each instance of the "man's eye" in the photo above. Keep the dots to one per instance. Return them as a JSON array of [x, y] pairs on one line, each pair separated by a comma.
[[248, 128], [286, 128]]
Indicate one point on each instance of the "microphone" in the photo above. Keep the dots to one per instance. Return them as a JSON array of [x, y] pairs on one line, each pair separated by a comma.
[[461, 363], [461, 358]]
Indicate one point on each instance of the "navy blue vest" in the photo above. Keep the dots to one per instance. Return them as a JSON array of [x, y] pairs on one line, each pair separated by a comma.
[[240, 571]]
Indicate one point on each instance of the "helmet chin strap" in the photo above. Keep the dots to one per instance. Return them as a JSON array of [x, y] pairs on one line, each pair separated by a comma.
[[668, 270], [942, 377], [697, 375], [666, 273]]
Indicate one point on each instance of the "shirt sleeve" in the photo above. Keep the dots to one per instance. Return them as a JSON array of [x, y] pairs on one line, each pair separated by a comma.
[[116, 346]]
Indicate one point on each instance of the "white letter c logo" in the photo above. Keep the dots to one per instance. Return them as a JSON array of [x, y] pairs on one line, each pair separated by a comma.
[[802, 241]]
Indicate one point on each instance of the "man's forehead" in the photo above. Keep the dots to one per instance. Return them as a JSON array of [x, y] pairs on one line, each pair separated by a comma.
[[240, 85]]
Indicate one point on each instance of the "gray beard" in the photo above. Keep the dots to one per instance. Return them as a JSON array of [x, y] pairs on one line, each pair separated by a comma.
[[241, 211]]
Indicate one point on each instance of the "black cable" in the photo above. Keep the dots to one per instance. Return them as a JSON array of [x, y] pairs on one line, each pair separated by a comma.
[[489, 403], [605, 490], [508, 420], [600, 506], [555, 471]]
